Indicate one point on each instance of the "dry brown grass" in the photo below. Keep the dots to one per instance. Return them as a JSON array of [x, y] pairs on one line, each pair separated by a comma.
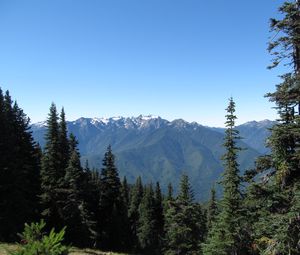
[[12, 247], [4, 248], [91, 252]]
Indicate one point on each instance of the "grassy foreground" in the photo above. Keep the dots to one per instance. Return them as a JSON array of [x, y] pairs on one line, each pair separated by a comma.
[[74, 251]]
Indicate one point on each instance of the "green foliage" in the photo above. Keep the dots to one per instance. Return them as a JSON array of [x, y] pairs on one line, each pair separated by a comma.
[[63, 141], [226, 234], [273, 200], [159, 215], [285, 138], [80, 226], [212, 209], [91, 188], [51, 173], [136, 196], [160, 154], [19, 170], [63, 180], [147, 232], [125, 193], [185, 223], [113, 221], [36, 242]]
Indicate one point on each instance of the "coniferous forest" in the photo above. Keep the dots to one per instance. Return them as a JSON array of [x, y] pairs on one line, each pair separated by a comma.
[[257, 214]]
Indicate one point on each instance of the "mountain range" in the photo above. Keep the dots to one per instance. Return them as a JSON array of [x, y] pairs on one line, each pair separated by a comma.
[[160, 150]]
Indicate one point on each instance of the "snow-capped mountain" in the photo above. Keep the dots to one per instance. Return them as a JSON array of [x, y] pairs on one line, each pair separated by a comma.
[[161, 150]]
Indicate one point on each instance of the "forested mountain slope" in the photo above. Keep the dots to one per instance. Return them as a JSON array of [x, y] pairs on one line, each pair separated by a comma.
[[160, 150]]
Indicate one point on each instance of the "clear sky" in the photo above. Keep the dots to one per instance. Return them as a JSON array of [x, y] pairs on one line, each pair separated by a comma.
[[173, 58]]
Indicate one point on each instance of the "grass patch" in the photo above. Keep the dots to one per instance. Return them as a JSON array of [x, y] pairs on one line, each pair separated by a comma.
[[4, 248]]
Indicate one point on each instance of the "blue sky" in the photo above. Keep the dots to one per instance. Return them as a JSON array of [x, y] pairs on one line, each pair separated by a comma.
[[173, 58]]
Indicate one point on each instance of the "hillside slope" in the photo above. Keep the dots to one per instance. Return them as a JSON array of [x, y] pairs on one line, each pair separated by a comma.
[[155, 149]]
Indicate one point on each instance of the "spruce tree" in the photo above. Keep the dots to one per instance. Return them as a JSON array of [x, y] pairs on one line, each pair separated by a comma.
[[212, 209], [52, 176], [136, 196], [112, 211], [63, 142], [91, 197], [168, 199], [158, 215], [125, 190], [19, 170], [147, 232], [80, 227], [224, 236], [276, 193], [184, 228], [285, 138], [125, 193], [170, 192]]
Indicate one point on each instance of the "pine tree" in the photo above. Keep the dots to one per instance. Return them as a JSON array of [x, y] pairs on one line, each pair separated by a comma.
[[285, 138], [125, 190], [63, 142], [224, 236], [168, 199], [184, 228], [170, 192], [113, 216], [158, 215], [91, 197], [19, 170], [278, 226], [52, 176], [133, 211], [80, 227], [125, 193], [147, 232], [212, 209], [186, 194]]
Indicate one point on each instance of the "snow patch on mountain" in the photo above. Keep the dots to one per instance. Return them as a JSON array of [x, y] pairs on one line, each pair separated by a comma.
[[40, 124]]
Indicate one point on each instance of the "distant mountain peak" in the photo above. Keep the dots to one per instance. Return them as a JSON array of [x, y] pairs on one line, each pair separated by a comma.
[[139, 122], [261, 123], [147, 117], [150, 121], [180, 123], [41, 124], [158, 149], [99, 120]]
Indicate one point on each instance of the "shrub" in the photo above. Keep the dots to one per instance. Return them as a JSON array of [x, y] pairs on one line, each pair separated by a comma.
[[35, 241]]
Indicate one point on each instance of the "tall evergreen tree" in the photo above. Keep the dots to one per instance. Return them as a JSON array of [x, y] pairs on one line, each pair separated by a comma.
[[212, 209], [170, 192], [63, 142], [113, 216], [224, 236], [52, 177], [168, 199], [91, 197], [133, 211], [184, 228], [19, 170], [125, 193], [147, 232], [159, 215], [285, 138], [277, 230], [80, 227]]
